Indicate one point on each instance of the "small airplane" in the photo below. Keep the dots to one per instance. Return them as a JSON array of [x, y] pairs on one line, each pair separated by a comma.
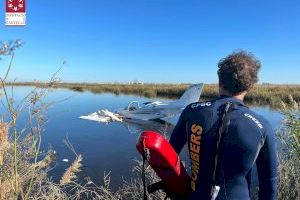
[[149, 110]]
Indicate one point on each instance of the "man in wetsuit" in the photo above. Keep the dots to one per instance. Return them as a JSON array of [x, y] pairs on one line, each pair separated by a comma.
[[247, 139]]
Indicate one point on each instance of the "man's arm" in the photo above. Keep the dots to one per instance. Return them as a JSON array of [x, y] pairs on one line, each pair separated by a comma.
[[267, 167], [179, 134]]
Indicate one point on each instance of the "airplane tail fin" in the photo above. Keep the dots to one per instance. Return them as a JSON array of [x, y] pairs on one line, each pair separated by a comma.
[[191, 95]]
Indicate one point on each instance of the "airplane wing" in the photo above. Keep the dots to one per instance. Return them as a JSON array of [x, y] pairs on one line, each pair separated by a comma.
[[96, 117], [113, 116], [103, 116]]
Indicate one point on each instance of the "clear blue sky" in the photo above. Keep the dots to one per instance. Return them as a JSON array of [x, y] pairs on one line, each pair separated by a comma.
[[154, 40]]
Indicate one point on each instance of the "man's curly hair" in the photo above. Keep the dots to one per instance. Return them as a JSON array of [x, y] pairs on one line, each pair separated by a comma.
[[238, 72]]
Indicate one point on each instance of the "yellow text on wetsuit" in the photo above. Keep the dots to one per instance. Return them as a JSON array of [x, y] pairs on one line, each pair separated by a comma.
[[194, 149]]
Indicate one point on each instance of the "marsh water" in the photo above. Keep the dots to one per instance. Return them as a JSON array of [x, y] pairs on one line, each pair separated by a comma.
[[105, 148]]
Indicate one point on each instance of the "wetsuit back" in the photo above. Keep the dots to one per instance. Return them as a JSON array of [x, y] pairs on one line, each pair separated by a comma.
[[249, 139]]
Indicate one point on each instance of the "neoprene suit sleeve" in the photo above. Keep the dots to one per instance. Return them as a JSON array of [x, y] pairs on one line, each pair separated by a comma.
[[267, 167], [179, 134]]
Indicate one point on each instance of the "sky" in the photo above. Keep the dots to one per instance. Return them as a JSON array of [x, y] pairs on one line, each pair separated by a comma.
[[161, 41]]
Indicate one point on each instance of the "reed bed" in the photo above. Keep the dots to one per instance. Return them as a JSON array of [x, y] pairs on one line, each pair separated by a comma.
[[261, 94]]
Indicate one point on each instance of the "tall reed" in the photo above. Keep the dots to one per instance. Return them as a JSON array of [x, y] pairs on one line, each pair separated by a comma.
[[289, 135]]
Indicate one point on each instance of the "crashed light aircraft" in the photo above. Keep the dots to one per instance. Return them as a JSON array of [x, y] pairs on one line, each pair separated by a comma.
[[149, 110]]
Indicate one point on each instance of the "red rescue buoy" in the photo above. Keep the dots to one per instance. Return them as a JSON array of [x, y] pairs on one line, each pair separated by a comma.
[[165, 161]]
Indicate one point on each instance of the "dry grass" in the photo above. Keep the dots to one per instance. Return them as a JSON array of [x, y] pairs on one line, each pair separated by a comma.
[[4, 143], [289, 179], [70, 173], [47, 160]]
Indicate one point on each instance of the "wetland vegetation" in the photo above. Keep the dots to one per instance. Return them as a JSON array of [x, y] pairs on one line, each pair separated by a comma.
[[261, 94]]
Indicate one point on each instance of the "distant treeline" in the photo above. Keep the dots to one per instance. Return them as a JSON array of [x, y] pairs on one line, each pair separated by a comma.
[[261, 94]]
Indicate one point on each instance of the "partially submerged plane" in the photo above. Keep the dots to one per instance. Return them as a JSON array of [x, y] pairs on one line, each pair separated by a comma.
[[149, 110]]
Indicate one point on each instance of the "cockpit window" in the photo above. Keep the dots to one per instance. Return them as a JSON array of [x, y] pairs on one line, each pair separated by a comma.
[[132, 108], [134, 105]]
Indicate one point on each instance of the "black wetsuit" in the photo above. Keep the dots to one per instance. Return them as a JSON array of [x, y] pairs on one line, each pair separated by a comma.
[[249, 139]]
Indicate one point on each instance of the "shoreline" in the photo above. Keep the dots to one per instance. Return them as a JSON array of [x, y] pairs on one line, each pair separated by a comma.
[[261, 94]]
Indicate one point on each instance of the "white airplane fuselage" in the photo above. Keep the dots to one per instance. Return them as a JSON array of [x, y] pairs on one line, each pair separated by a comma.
[[149, 110]]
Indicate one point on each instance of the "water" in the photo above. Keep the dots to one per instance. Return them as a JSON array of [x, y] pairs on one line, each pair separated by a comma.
[[104, 147]]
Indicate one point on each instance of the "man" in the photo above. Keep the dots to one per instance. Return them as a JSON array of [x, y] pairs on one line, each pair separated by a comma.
[[247, 138]]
